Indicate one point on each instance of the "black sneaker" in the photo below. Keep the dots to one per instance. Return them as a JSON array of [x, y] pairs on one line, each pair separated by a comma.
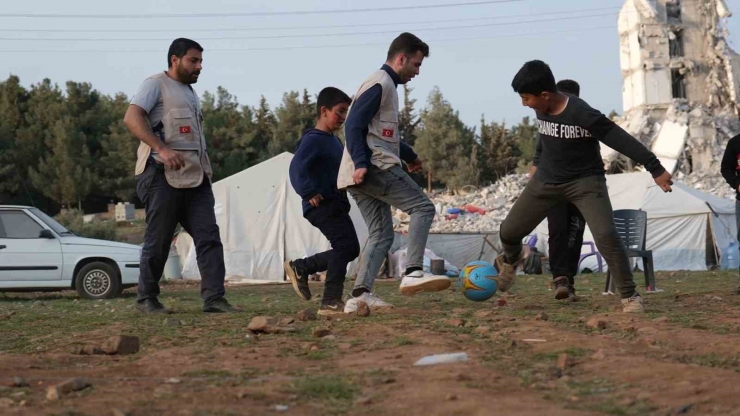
[[151, 306], [331, 308], [561, 287], [299, 279], [220, 306]]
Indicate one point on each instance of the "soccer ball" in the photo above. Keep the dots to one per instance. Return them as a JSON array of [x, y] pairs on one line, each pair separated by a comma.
[[469, 268], [476, 281]]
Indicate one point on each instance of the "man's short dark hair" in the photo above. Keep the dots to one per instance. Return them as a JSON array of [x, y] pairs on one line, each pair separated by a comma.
[[329, 97], [535, 77], [180, 48], [569, 86], [407, 44]]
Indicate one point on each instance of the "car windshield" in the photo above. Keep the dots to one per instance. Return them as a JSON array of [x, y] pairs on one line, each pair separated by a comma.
[[51, 222]]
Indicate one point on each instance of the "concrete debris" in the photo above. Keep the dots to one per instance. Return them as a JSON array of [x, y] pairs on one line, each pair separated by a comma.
[[482, 210]]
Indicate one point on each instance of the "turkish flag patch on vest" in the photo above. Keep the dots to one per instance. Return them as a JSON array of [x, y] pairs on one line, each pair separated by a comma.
[[184, 129], [388, 132]]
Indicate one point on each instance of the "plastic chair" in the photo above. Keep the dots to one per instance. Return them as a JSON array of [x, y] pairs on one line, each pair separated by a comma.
[[593, 252], [632, 229]]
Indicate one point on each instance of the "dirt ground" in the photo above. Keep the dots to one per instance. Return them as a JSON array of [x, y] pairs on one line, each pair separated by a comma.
[[532, 356]]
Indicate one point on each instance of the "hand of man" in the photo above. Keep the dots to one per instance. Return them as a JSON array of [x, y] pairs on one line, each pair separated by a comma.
[[415, 166], [532, 170], [664, 181], [316, 200], [359, 175], [172, 159]]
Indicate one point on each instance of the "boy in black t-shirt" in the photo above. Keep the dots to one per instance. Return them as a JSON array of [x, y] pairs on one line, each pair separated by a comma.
[[571, 170], [565, 225]]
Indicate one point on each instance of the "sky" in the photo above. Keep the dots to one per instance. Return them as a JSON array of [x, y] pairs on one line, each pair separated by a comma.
[[269, 47]]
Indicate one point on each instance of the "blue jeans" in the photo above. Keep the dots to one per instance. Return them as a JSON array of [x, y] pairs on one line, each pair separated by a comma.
[[380, 190]]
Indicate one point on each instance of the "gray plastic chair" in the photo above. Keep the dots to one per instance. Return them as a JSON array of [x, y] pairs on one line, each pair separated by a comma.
[[632, 228]]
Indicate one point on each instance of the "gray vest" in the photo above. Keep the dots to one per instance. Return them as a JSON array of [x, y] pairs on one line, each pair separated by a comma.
[[183, 132], [382, 133]]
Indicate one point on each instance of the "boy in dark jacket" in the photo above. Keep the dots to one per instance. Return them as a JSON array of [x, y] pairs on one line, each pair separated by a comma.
[[571, 170], [730, 168], [313, 174]]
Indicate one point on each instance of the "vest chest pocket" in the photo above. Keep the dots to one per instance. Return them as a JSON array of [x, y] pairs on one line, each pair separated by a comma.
[[182, 126]]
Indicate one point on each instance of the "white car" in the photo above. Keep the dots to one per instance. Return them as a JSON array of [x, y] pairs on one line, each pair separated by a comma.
[[38, 253]]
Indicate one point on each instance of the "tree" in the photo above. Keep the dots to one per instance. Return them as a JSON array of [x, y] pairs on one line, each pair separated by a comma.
[[293, 117], [230, 133], [264, 121], [115, 172], [63, 173], [446, 145], [499, 153], [13, 104], [407, 118], [525, 135]]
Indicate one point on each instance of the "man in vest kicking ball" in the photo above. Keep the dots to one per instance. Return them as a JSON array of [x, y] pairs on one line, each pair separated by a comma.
[[173, 177], [371, 170]]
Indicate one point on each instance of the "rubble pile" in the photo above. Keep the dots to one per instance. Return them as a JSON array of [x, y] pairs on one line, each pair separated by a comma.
[[481, 210]]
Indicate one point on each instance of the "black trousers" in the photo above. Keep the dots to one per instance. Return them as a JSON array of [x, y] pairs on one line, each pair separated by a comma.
[[331, 217], [566, 226], [165, 207]]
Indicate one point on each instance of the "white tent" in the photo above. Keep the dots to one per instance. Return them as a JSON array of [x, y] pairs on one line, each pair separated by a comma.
[[261, 224], [678, 222]]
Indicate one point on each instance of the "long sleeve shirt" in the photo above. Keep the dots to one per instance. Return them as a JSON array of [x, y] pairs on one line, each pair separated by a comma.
[[569, 144], [364, 108], [315, 167]]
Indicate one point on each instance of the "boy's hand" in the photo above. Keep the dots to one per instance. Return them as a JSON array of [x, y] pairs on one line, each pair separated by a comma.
[[316, 200], [359, 175], [415, 166], [664, 181], [532, 170]]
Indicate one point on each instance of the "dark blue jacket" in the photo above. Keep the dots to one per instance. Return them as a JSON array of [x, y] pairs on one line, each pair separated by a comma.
[[315, 167], [363, 110]]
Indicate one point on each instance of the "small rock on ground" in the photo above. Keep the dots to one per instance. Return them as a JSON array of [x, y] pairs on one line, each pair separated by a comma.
[[121, 345], [56, 392], [306, 315], [596, 323], [321, 332], [261, 323], [542, 316]]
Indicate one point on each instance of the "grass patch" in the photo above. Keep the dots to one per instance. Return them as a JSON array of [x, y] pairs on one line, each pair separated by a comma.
[[334, 391], [401, 341]]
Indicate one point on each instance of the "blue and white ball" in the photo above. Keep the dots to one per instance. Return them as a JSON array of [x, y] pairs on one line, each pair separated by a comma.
[[477, 281]]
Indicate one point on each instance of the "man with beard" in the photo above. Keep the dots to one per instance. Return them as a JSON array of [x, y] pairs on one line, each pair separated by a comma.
[[173, 177], [371, 171]]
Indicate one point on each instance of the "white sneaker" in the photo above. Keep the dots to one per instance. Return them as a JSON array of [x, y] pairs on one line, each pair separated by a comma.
[[421, 281], [373, 302]]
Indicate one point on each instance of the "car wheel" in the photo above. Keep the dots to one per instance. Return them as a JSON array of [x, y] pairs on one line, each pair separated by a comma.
[[97, 280]]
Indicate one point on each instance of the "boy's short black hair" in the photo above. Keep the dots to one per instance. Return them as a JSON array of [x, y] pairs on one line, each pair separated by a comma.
[[180, 48], [329, 97], [569, 86], [408, 44], [535, 77]]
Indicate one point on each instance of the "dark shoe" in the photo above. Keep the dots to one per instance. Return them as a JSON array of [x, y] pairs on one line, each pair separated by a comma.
[[220, 306], [572, 293], [151, 306], [561, 287], [331, 308], [299, 279]]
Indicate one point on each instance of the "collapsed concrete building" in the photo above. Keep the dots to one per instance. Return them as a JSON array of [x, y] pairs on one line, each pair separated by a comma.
[[681, 89]]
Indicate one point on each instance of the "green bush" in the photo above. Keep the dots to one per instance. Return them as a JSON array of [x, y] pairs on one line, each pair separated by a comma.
[[102, 230]]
